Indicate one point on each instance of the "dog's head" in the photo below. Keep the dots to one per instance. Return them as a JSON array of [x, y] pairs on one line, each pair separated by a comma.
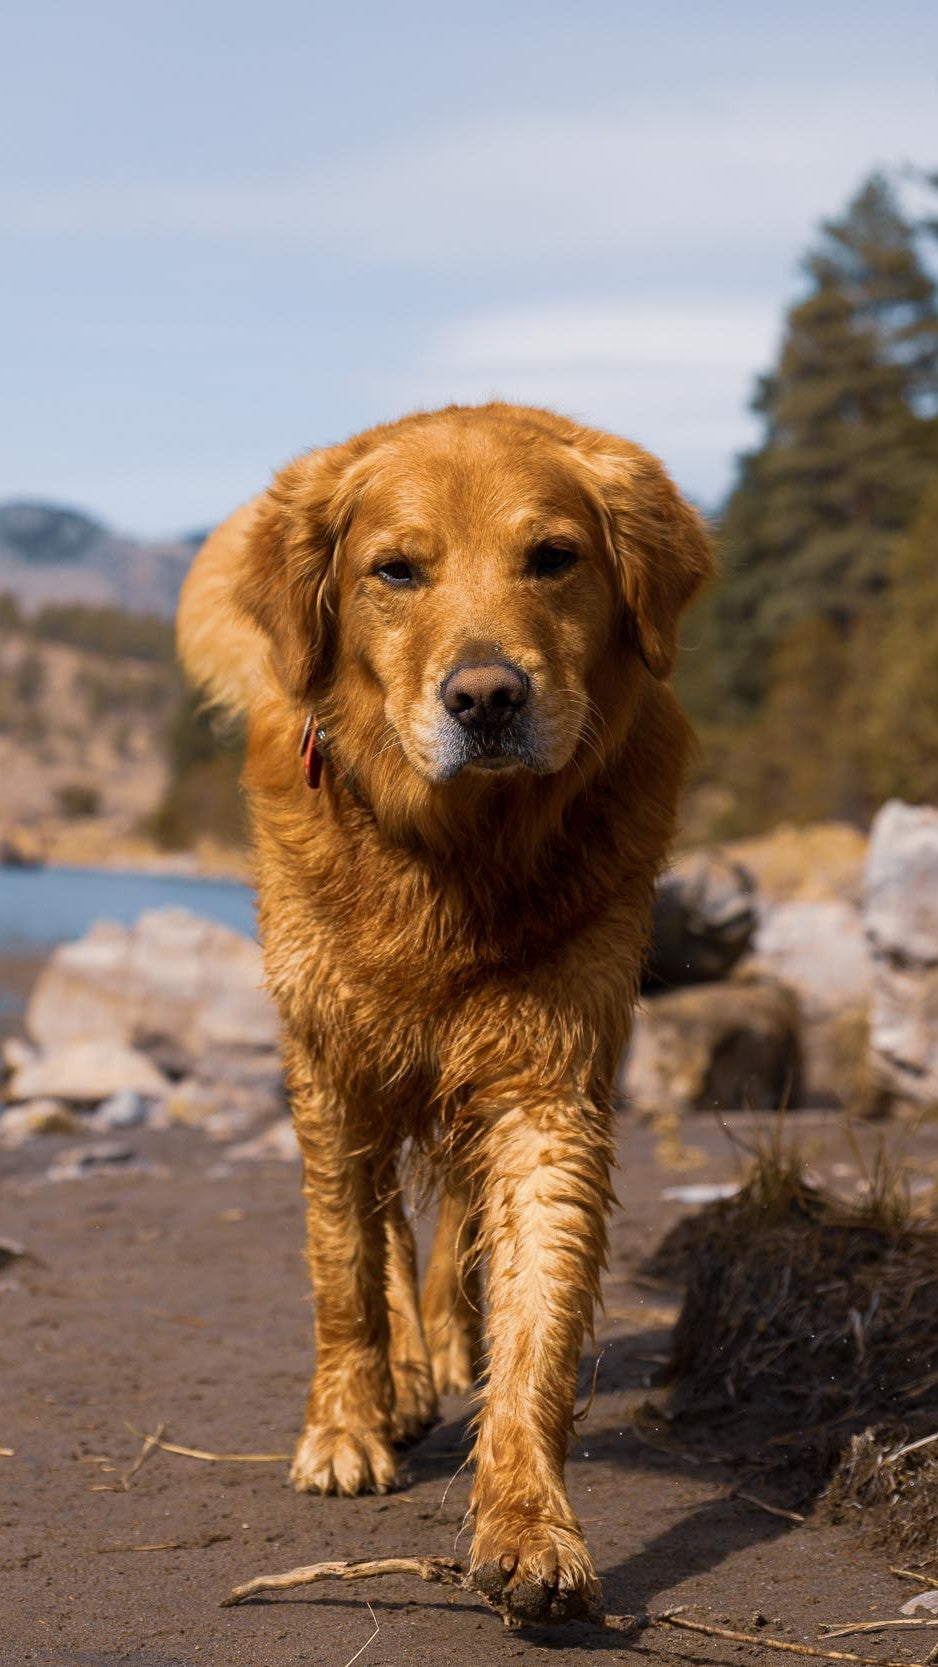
[[476, 592]]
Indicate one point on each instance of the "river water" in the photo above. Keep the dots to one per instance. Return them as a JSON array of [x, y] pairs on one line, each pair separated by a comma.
[[44, 906]]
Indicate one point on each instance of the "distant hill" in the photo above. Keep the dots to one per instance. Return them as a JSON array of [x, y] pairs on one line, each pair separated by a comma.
[[49, 554]]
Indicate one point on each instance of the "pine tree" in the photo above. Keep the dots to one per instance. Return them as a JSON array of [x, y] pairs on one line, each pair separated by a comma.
[[851, 441], [903, 718]]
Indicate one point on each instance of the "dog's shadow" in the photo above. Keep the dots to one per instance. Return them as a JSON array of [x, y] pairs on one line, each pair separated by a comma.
[[698, 1541]]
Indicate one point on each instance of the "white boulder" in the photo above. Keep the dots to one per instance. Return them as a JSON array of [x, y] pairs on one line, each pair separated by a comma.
[[85, 1073], [175, 985], [819, 949], [732, 1046], [901, 919]]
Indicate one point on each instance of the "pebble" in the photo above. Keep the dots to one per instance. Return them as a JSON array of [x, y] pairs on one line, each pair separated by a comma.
[[36, 1117], [279, 1141], [85, 1160], [17, 1052], [125, 1110]]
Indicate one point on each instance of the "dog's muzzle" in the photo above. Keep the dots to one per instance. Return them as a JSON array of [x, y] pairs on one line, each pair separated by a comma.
[[489, 726]]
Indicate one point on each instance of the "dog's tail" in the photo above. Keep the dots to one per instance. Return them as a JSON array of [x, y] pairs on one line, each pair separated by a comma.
[[221, 652]]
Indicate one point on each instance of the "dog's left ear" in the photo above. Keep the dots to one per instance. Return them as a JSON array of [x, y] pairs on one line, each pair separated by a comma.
[[658, 542], [287, 585]]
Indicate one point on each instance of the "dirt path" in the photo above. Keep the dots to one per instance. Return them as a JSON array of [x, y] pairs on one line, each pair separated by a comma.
[[179, 1296]]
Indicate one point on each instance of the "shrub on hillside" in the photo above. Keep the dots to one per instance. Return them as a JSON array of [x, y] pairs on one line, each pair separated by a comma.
[[78, 798], [106, 631], [203, 797]]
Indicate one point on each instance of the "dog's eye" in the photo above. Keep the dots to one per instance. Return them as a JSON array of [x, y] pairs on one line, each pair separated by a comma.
[[396, 573], [548, 559]]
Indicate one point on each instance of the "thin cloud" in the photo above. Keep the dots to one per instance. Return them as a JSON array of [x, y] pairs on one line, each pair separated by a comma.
[[756, 170], [613, 335], [676, 377]]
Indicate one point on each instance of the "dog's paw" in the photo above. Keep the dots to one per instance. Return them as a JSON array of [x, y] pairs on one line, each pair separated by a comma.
[[335, 1460], [535, 1573], [416, 1409], [453, 1363]]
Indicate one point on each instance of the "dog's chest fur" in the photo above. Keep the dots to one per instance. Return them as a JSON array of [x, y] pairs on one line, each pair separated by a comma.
[[413, 973]]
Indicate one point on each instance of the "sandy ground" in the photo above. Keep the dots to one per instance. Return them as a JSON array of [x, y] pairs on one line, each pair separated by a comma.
[[177, 1294]]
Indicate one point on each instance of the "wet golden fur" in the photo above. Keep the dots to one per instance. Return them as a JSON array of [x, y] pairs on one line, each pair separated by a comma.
[[455, 949]]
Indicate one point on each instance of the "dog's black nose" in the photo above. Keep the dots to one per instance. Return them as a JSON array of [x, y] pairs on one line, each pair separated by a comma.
[[487, 695]]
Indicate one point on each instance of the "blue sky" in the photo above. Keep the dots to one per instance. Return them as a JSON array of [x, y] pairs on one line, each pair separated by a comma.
[[231, 232]]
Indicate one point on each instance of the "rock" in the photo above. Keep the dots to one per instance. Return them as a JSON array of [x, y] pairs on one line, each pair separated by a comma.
[[12, 1251], [93, 1157], [925, 1603], [229, 1124], [85, 1073], [699, 1193], [279, 1141], [36, 1117], [819, 950], [901, 893], [126, 1110], [191, 1103], [86, 1160], [16, 1053], [20, 849], [901, 919], [258, 1074], [176, 986], [731, 1046], [705, 916]]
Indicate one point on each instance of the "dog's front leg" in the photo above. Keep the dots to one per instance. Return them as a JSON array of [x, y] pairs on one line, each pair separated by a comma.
[[545, 1190], [415, 1399], [346, 1442], [452, 1295]]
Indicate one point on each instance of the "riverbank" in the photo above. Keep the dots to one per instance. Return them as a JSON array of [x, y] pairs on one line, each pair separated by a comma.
[[98, 844], [18, 974]]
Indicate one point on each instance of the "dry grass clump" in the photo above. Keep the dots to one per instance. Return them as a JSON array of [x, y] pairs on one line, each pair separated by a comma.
[[889, 1483], [806, 1308], [809, 1332]]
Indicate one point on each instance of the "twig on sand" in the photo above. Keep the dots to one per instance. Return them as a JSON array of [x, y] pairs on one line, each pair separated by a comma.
[[915, 1574], [440, 1570], [763, 1505], [770, 1643], [369, 1640], [155, 1440], [7, 1452], [214, 1458], [167, 1545], [875, 1626], [178, 1319], [445, 1571], [149, 1442], [122, 1485], [223, 1458], [160, 1545]]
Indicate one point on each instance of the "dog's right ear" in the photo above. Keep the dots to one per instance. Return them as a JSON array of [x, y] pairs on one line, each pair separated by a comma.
[[287, 584]]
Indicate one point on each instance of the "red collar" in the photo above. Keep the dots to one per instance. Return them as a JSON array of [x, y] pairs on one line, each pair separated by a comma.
[[311, 750]]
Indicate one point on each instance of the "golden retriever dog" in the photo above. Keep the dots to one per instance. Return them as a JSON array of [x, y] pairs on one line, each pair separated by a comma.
[[452, 637]]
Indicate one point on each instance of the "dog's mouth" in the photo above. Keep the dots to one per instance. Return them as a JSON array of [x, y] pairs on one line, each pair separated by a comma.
[[491, 748]]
